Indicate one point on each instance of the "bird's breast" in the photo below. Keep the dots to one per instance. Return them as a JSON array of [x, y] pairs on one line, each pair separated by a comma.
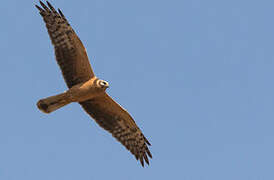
[[84, 91]]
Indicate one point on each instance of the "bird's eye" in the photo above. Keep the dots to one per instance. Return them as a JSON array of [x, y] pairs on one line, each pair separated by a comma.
[[103, 83]]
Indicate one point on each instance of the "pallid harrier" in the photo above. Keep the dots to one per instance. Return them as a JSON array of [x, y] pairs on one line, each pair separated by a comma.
[[85, 88]]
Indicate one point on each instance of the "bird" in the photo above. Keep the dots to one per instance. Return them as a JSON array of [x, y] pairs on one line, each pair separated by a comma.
[[87, 89]]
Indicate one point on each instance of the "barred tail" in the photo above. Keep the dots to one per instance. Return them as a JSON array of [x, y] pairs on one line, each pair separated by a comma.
[[53, 103]]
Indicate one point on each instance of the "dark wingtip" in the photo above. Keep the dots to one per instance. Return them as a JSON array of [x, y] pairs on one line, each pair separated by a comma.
[[44, 6], [48, 3], [148, 143], [60, 12], [144, 155], [142, 161], [39, 8], [149, 154], [146, 159], [51, 7]]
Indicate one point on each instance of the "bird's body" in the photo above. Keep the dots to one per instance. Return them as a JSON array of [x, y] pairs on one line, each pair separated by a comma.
[[78, 93], [85, 91], [85, 88]]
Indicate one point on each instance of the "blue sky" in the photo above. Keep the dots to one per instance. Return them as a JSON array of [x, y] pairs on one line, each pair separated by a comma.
[[197, 76]]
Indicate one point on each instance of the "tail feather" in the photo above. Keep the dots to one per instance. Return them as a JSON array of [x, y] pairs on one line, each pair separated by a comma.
[[53, 103]]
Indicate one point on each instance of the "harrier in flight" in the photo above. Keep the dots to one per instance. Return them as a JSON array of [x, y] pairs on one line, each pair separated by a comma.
[[85, 88]]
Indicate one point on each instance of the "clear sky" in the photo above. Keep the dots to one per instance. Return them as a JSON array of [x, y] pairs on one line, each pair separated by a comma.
[[197, 76]]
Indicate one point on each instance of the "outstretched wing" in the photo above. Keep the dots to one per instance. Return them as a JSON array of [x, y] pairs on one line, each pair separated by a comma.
[[69, 51], [113, 118]]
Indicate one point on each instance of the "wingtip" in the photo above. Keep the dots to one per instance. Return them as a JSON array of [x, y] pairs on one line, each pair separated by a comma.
[[146, 159], [51, 7], [148, 143], [60, 12], [41, 3], [44, 6], [39, 8], [149, 154], [142, 162]]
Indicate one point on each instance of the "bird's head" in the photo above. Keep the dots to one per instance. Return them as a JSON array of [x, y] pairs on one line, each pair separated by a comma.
[[102, 84]]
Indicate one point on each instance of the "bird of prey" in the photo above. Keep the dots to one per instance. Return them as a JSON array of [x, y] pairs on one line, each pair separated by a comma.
[[85, 88]]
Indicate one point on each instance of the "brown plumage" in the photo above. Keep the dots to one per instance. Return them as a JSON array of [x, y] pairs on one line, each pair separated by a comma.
[[69, 51], [113, 118], [85, 88]]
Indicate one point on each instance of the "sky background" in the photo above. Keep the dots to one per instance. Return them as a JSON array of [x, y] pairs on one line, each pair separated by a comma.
[[197, 76]]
